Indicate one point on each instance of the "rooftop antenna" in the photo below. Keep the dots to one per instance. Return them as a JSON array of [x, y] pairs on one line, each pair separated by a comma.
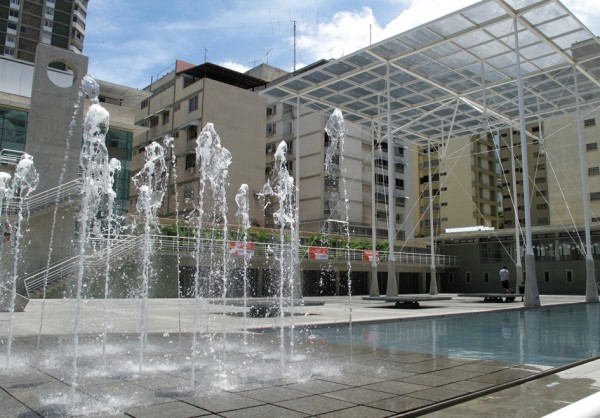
[[294, 46], [205, 54], [267, 55]]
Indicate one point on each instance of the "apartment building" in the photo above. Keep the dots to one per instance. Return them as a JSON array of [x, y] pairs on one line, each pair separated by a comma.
[[565, 194], [180, 105], [325, 194], [26, 23], [509, 142], [463, 184]]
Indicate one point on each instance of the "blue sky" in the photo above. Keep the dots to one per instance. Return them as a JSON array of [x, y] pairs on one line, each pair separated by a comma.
[[130, 42]]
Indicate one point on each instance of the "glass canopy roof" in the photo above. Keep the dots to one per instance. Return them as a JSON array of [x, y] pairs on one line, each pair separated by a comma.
[[460, 72]]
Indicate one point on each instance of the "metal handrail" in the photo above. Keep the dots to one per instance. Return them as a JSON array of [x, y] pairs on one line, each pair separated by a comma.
[[47, 197], [166, 243], [70, 265]]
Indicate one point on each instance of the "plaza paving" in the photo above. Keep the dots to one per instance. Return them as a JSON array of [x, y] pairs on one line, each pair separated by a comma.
[[258, 374]]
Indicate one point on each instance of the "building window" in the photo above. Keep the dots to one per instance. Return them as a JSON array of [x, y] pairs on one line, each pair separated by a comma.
[[589, 122], [193, 104], [595, 196], [13, 13], [165, 118], [192, 132], [145, 103], [177, 107], [468, 277], [546, 276], [569, 276], [271, 110], [190, 162], [271, 128], [153, 121], [593, 171], [592, 146]]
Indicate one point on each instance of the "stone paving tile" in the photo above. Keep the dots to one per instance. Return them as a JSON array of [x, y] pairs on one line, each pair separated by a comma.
[[126, 393], [262, 411], [274, 394], [395, 387], [316, 405], [400, 403], [359, 395], [485, 366], [455, 374], [22, 375], [437, 394], [53, 399], [469, 386], [352, 379], [503, 376], [219, 402], [429, 379], [379, 368], [316, 387], [13, 408], [360, 411], [175, 409]]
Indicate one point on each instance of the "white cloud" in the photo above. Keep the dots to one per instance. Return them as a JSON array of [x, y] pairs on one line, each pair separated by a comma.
[[236, 66], [346, 32]]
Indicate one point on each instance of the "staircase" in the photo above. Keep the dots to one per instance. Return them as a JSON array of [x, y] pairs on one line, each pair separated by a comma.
[[58, 273]]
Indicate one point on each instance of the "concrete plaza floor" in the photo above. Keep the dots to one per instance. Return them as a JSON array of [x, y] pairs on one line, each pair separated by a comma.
[[257, 374]]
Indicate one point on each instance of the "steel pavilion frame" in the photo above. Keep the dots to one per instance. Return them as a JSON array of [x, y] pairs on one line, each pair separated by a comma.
[[492, 65]]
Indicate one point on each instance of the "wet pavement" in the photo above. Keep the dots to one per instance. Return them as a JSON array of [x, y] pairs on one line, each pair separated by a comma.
[[111, 369]]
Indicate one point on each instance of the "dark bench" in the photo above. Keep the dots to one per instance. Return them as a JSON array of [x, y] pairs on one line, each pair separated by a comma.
[[407, 301], [265, 307], [493, 297]]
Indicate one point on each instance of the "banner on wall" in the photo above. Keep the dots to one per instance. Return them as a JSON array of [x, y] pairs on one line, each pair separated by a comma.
[[318, 253], [368, 256], [237, 248]]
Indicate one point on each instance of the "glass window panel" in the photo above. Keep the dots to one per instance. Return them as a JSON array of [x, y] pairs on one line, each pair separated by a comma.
[[543, 14], [390, 48], [362, 59], [339, 68], [559, 27], [296, 85], [362, 78], [317, 77], [489, 49], [320, 92], [340, 85], [519, 4], [442, 50], [473, 38], [419, 37], [450, 25], [484, 12]]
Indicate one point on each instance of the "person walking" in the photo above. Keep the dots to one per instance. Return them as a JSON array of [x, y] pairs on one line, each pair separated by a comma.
[[504, 277]]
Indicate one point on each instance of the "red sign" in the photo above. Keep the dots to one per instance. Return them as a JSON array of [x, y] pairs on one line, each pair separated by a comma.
[[318, 253], [237, 248], [368, 255]]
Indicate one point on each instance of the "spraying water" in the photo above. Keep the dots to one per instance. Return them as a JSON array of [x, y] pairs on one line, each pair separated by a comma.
[[282, 190], [334, 169], [151, 182], [97, 189], [243, 215], [213, 160], [25, 181]]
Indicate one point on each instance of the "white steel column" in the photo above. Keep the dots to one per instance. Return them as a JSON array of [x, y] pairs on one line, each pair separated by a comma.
[[392, 285], [591, 291], [433, 279], [532, 295], [374, 287], [513, 172]]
